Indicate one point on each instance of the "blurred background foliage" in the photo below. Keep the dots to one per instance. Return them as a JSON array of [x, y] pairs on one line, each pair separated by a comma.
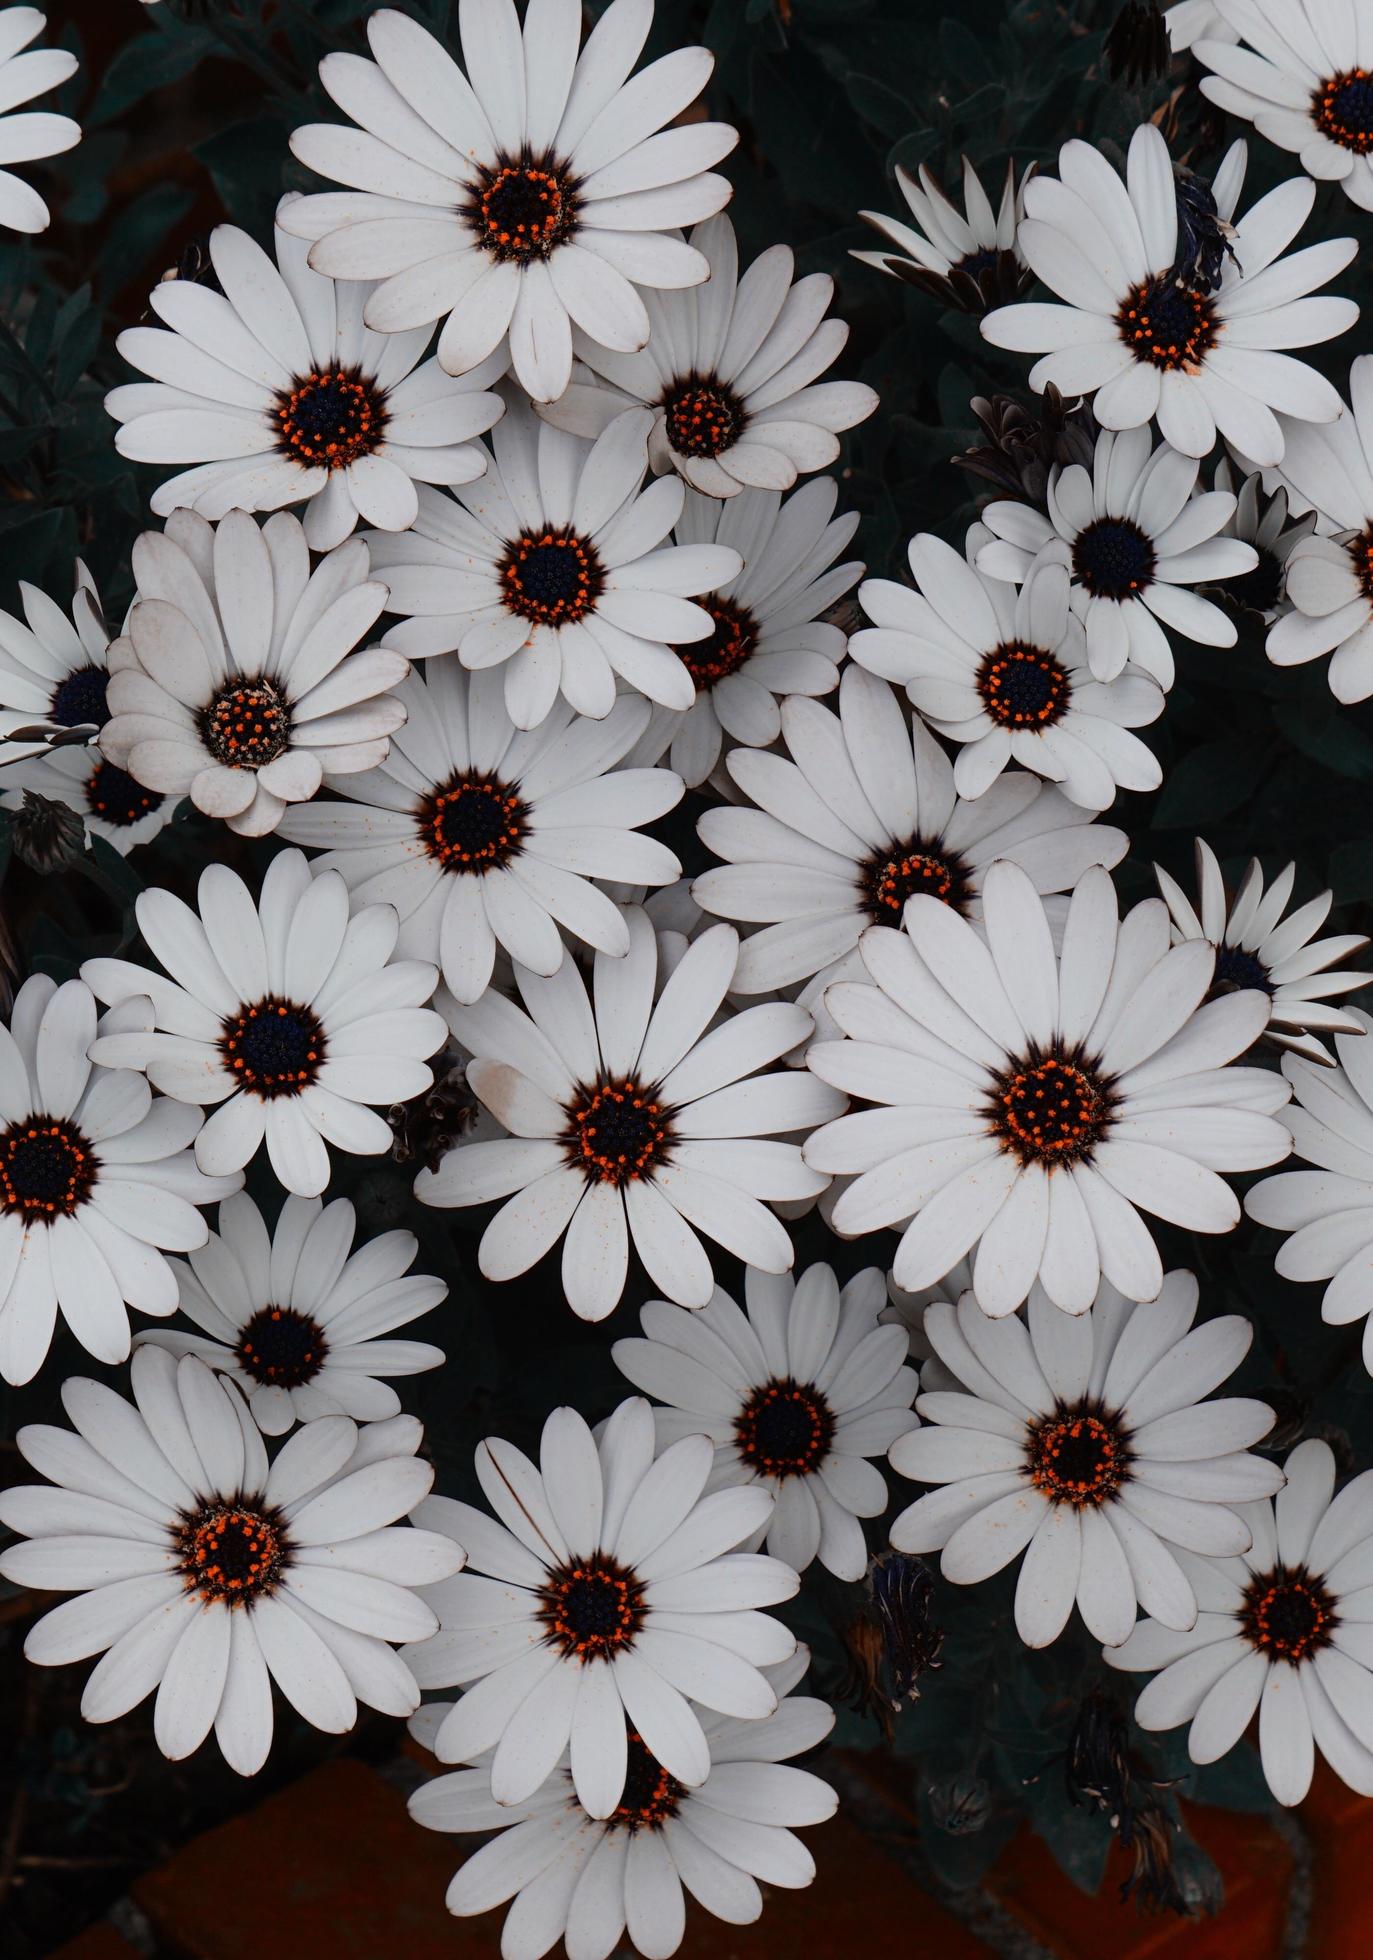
[[187, 107]]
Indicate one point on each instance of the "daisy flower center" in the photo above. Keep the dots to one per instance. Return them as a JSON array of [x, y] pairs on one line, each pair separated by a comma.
[[729, 646], [274, 1047], [1259, 589], [231, 1553], [472, 823], [331, 418], [785, 1429], [247, 725], [80, 697], [885, 883], [651, 1795], [1051, 1111], [46, 1167], [1023, 686], [522, 211], [618, 1131], [1360, 549], [281, 1348], [1113, 558], [1078, 1456], [594, 1608], [1169, 325], [117, 799], [703, 416], [551, 577], [1236, 970], [1343, 109], [1288, 1614]]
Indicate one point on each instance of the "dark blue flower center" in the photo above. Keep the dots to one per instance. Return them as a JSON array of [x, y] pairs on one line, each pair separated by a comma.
[[551, 578], [80, 698], [1237, 969], [281, 1348], [651, 1794], [594, 1608], [1343, 109], [1113, 558], [46, 1168], [117, 799], [1288, 1614], [1168, 325], [702, 415], [274, 1047], [785, 1429], [472, 822], [330, 418], [1023, 686]]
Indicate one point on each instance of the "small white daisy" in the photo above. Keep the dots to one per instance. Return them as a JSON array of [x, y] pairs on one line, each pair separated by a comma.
[[36, 133], [1265, 518], [237, 679], [275, 392], [965, 258], [297, 1319], [628, 1120], [1330, 579], [207, 1575], [1257, 947], [796, 1394], [609, 1593], [1004, 673], [1284, 1632], [557, 566], [770, 638], [861, 817], [1083, 1441], [1191, 21], [1182, 320], [730, 374], [590, 1881], [1138, 538], [1031, 1102], [54, 673], [97, 1180], [285, 1013], [484, 835], [1300, 75], [537, 189], [1328, 1210]]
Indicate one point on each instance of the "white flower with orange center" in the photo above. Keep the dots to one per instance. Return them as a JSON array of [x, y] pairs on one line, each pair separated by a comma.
[[207, 1574], [609, 1593], [1031, 1100], [1083, 1441]]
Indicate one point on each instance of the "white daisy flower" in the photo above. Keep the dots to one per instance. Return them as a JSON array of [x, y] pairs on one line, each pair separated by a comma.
[[35, 133], [275, 392], [1083, 1441], [1283, 1633], [1330, 579], [628, 1120], [1138, 537], [1328, 1210], [964, 258], [1191, 21], [54, 673], [483, 835], [283, 1014], [590, 1881], [861, 817], [297, 1319], [1256, 946], [537, 189], [97, 1180], [1004, 673], [236, 680], [1300, 75], [770, 638], [1266, 519], [207, 1575], [1179, 320], [796, 1394], [730, 375], [556, 566], [1031, 1103], [611, 1593]]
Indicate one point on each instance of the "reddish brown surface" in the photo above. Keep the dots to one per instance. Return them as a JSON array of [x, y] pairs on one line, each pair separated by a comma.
[[96, 1943], [1341, 1827]]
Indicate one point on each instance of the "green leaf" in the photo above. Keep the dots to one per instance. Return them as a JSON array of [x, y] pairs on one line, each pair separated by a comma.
[[150, 61], [1209, 783]]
